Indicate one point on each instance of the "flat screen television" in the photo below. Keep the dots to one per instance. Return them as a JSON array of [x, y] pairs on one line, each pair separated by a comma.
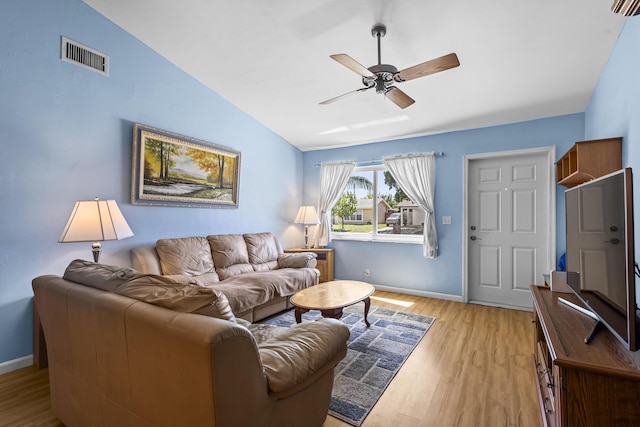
[[600, 253]]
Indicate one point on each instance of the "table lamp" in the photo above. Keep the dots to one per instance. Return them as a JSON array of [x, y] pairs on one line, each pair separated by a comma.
[[307, 215], [95, 221]]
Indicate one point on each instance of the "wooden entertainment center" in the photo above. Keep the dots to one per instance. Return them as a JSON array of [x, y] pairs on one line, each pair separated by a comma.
[[578, 384]]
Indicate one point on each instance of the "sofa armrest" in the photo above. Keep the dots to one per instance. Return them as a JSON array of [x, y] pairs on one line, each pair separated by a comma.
[[297, 260], [145, 259], [298, 355]]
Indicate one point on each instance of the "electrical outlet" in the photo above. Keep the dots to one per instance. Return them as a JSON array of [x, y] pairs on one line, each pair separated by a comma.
[[446, 220], [367, 272]]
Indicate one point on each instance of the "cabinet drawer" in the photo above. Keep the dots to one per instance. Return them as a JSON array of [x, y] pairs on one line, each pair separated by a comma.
[[544, 387], [545, 376]]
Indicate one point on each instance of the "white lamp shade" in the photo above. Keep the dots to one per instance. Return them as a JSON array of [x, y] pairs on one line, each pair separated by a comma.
[[307, 215], [95, 220]]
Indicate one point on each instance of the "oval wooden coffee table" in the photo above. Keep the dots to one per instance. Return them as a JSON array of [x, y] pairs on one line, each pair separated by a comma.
[[331, 297]]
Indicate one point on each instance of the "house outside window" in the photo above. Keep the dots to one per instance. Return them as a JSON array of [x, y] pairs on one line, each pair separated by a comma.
[[355, 218], [370, 220]]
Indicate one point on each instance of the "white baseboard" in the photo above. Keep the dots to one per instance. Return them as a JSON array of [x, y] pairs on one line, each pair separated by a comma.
[[493, 304], [436, 295], [15, 364]]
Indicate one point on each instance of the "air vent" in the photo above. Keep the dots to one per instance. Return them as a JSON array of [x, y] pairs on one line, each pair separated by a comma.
[[84, 56]]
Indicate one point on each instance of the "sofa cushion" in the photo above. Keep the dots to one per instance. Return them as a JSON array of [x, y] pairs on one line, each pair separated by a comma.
[[249, 290], [205, 279], [100, 276], [187, 255], [219, 308], [186, 298], [263, 252], [261, 332], [229, 252]]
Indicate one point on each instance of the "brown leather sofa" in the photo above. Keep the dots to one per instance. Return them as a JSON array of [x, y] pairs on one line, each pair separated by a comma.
[[116, 360], [250, 269]]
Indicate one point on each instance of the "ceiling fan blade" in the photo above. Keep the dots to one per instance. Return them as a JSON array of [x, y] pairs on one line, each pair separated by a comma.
[[344, 95], [352, 64], [430, 67], [398, 97]]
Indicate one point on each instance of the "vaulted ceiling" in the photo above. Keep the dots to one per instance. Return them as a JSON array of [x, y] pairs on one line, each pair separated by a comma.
[[519, 60]]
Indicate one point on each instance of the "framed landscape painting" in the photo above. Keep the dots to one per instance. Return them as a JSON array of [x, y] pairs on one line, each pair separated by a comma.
[[175, 170]]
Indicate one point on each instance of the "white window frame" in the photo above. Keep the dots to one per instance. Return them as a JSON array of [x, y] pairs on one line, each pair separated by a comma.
[[374, 236]]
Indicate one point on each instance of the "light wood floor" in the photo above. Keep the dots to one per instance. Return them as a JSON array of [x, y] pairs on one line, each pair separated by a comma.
[[473, 368]]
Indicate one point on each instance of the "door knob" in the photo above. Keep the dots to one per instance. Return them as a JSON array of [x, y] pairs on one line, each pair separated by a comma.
[[473, 237]]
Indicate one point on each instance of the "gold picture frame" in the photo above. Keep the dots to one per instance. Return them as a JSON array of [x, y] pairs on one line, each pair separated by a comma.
[[175, 170]]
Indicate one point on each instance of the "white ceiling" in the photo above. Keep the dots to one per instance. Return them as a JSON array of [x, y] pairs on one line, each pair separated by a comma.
[[519, 60]]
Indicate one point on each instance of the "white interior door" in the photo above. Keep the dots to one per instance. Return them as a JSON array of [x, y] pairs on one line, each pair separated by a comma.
[[509, 227]]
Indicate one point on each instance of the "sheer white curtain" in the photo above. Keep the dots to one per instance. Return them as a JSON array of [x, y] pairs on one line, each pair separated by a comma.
[[333, 180], [416, 175]]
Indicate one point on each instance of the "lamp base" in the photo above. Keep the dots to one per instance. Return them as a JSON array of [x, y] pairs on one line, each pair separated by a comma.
[[96, 248]]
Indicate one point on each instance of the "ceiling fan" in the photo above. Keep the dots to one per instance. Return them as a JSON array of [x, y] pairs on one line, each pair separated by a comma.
[[382, 77]]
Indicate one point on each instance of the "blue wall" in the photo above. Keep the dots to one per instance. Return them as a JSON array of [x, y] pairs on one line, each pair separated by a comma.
[[67, 135], [402, 266], [614, 108]]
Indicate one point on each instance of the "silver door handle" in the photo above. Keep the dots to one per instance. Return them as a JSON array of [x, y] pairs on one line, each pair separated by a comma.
[[475, 238]]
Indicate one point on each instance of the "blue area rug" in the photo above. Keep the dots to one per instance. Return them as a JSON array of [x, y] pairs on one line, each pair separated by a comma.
[[374, 355]]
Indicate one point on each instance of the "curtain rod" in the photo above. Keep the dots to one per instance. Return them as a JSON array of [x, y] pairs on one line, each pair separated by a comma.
[[373, 162]]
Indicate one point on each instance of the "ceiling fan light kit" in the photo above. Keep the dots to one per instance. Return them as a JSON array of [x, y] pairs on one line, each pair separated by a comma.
[[383, 77]]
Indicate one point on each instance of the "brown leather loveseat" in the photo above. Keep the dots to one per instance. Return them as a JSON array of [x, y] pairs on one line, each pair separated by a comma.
[[119, 356]]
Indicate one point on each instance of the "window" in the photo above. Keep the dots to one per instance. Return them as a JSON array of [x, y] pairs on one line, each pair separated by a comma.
[[356, 217], [390, 217]]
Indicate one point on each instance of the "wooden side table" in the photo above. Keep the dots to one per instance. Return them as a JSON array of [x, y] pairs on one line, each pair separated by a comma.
[[324, 258]]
